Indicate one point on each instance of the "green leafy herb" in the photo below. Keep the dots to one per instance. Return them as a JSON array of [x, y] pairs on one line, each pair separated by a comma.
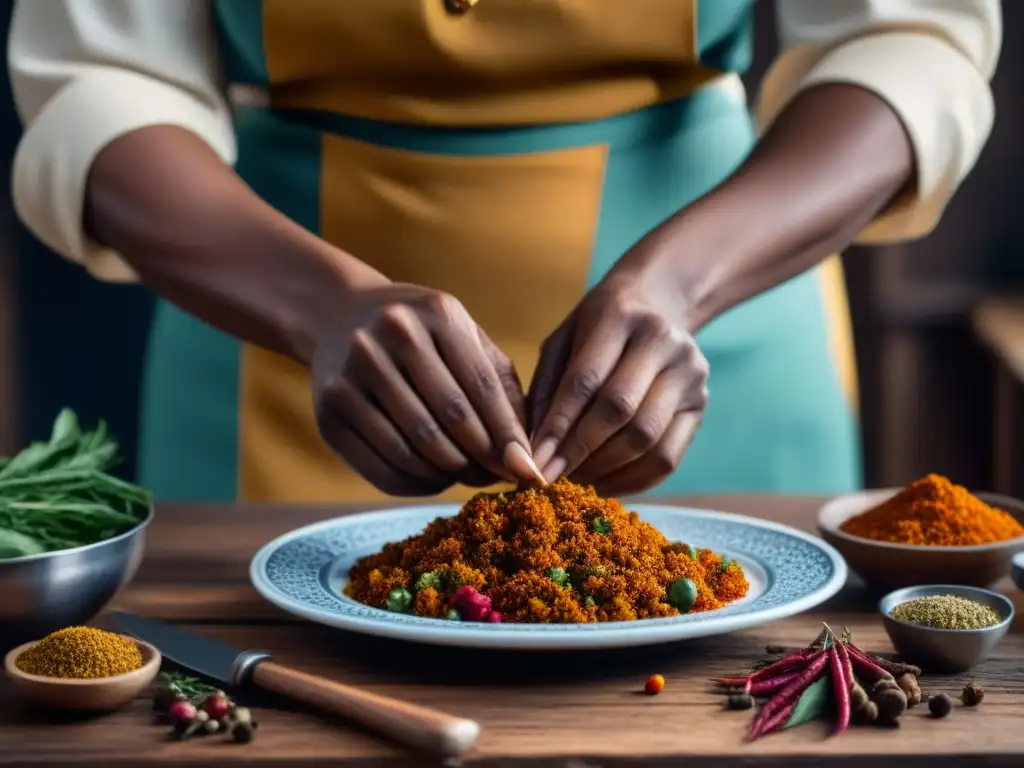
[[814, 702], [691, 551], [589, 601], [817, 699], [14, 544], [559, 576], [726, 562], [602, 526], [430, 580], [193, 688], [57, 495]]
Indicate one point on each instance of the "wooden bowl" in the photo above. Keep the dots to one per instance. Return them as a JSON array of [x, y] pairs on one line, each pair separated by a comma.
[[893, 566], [101, 694]]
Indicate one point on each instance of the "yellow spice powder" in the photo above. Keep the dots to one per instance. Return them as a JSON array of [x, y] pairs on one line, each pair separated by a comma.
[[81, 653]]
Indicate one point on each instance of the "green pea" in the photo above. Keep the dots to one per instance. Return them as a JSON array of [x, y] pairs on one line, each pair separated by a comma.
[[452, 615], [429, 580], [399, 600], [682, 594], [559, 576], [602, 526]]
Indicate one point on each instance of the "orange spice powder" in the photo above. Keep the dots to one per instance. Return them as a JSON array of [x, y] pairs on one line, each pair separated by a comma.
[[933, 511], [609, 565]]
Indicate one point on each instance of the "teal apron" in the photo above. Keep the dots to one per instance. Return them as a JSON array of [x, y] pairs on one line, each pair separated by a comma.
[[223, 420]]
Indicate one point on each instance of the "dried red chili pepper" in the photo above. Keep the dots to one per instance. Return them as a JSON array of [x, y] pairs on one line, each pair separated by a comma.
[[788, 695], [867, 667], [761, 687], [841, 689]]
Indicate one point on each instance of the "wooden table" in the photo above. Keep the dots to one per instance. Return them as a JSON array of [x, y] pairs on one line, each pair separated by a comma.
[[572, 710]]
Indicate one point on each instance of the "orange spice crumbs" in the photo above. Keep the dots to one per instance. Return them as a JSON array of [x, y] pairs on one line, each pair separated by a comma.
[[933, 511], [559, 554]]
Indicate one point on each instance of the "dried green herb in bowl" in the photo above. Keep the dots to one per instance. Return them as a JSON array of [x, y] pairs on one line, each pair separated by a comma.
[[945, 612]]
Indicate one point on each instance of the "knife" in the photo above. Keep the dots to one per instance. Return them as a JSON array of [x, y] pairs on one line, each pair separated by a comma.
[[415, 726]]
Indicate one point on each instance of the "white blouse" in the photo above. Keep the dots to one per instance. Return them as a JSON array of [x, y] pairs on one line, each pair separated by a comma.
[[85, 72]]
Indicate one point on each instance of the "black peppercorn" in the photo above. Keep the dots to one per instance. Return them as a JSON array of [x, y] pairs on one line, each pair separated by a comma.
[[740, 701], [940, 705], [972, 695], [458, 7], [892, 702]]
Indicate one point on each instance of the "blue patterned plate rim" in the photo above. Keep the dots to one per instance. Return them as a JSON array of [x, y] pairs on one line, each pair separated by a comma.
[[790, 587]]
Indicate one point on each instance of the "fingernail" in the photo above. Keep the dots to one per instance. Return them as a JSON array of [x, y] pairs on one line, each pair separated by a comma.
[[518, 460], [554, 470], [545, 451]]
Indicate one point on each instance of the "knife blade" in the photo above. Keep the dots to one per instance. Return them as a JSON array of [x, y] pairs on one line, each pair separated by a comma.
[[197, 653], [411, 724]]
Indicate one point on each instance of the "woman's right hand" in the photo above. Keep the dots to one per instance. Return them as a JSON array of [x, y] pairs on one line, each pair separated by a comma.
[[414, 396]]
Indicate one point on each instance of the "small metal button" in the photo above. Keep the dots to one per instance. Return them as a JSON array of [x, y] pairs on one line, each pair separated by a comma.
[[459, 7]]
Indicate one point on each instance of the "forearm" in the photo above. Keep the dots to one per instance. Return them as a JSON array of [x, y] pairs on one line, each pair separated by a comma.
[[829, 164], [198, 236]]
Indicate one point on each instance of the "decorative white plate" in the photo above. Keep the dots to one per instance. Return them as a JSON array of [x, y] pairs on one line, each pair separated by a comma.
[[304, 572]]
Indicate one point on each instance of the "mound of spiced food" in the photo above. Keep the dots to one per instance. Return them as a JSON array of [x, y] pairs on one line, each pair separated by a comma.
[[934, 512], [559, 554]]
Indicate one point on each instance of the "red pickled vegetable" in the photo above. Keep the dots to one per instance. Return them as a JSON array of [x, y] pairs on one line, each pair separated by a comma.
[[788, 695], [867, 667], [841, 688], [471, 605], [494, 617]]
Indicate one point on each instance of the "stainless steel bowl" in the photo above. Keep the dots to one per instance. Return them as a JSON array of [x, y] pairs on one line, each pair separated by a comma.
[[40, 594], [945, 650]]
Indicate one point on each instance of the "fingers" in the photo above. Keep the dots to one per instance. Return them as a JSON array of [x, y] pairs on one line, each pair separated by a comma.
[[657, 464], [362, 457], [640, 435], [372, 370], [507, 375], [554, 356], [484, 376], [587, 371], [627, 391], [350, 408]]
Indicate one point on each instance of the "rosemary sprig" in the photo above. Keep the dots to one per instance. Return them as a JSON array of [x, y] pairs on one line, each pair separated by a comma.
[[192, 688]]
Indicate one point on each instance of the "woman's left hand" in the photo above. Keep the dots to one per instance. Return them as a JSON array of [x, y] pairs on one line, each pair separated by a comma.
[[621, 385]]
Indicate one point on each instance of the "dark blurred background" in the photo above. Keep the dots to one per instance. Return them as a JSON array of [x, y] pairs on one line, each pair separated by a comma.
[[940, 338]]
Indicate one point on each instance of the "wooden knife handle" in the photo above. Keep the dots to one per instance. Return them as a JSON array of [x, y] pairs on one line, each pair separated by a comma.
[[415, 726]]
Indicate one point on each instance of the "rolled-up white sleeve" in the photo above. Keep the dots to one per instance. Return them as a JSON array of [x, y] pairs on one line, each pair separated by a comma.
[[85, 72], [930, 60]]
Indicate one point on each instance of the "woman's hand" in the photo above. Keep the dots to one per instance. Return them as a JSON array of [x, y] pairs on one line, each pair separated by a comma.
[[413, 395], [621, 385]]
